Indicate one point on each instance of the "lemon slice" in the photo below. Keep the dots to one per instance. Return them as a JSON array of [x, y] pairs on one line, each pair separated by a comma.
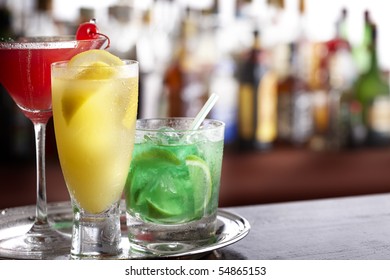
[[90, 57], [71, 102], [98, 66], [200, 177]]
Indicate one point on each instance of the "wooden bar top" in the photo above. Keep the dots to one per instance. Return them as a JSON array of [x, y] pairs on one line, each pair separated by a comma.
[[348, 228]]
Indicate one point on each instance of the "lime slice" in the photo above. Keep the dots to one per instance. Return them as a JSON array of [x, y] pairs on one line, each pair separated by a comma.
[[160, 213], [156, 156], [200, 177], [155, 186]]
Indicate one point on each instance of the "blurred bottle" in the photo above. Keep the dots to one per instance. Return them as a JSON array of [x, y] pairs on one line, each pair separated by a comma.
[[224, 83], [184, 86], [255, 104], [319, 88], [266, 118], [284, 92], [174, 81], [175, 75], [152, 63], [40, 22], [289, 87], [345, 128], [250, 72], [361, 52], [302, 110], [372, 91], [123, 26]]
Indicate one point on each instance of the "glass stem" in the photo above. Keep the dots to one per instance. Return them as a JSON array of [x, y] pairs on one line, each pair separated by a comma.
[[40, 139]]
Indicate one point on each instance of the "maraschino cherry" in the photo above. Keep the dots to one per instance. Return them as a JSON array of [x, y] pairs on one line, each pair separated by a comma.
[[88, 31]]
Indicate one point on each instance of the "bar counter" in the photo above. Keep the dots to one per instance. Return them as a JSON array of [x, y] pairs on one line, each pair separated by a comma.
[[348, 228]]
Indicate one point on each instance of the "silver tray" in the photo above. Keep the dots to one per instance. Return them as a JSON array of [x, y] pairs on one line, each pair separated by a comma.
[[17, 221]]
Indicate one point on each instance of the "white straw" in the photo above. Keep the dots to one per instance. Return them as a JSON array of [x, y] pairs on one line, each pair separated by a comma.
[[204, 111]]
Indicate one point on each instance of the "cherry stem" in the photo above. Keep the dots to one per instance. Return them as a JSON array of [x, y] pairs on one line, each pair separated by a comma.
[[108, 39]]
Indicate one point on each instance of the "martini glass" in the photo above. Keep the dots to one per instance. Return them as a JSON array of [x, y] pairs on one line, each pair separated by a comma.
[[27, 79]]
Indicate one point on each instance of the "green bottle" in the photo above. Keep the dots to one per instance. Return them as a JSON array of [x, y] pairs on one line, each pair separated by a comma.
[[361, 52], [372, 91]]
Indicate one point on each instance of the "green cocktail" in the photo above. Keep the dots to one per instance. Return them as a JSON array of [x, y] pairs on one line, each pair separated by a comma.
[[173, 184]]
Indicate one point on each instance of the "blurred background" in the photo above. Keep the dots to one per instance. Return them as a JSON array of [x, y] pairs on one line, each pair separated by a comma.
[[303, 85]]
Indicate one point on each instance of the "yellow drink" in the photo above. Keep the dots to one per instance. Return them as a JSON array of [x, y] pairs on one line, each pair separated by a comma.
[[94, 115]]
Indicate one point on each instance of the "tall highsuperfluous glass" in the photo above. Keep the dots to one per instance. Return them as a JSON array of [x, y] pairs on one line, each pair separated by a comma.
[[27, 80], [94, 113]]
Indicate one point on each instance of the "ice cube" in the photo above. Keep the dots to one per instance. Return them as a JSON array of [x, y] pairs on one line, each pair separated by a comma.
[[168, 135], [194, 137]]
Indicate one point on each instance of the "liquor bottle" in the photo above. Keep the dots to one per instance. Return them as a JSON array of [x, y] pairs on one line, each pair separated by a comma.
[[250, 73], [320, 99], [173, 84], [327, 86], [185, 88], [148, 92], [266, 111], [340, 40], [372, 91], [302, 111], [287, 85], [175, 79], [345, 127], [224, 82], [152, 61], [361, 52]]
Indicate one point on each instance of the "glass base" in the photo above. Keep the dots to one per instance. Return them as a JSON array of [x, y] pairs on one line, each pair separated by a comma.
[[15, 222], [96, 236], [40, 242], [160, 239]]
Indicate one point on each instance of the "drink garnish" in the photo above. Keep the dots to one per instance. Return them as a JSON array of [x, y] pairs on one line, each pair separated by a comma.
[[94, 65], [156, 155], [163, 200], [200, 177], [91, 57], [89, 30], [173, 186]]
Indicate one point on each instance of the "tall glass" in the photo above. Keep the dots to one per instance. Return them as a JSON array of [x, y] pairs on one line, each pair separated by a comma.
[[27, 80], [94, 113]]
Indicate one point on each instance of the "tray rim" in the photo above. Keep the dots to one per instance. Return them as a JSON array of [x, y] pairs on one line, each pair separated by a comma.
[[241, 224]]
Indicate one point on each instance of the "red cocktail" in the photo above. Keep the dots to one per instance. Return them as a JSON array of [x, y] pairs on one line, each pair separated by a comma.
[[27, 75]]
